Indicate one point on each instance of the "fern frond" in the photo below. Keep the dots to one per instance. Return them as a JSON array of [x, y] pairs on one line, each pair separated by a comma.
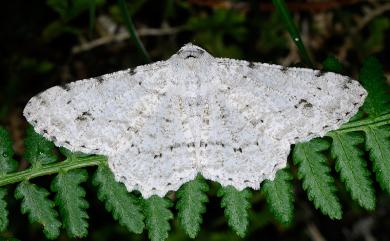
[[378, 145], [191, 205], [279, 196], [7, 163], [71, 201], [236, 204], [3, 210], [317, 180], [374, 81], [352, 167], [157, 216], [38, 149], [123, 205], [40, 209]]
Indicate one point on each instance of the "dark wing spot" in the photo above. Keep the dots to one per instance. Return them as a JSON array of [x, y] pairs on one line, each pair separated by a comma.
[[66, 87], [99, 79], [320, 73], [302, 101], [190, 56], [86, 113], [308, 105], [68, 102], [284, 69], [318, 88], [84, 116], [67, 142]]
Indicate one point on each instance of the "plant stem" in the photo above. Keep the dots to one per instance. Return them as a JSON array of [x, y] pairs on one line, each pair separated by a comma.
[[51, 168], [131, 29], [92, 15], [359, 125], [281, 7]]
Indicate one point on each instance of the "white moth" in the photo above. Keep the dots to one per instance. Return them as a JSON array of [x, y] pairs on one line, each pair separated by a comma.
[[161, 124]]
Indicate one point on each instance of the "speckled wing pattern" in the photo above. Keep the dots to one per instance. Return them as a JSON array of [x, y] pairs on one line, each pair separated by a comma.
[[161, 124]]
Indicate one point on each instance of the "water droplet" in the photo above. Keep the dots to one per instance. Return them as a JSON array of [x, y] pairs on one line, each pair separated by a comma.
[[296, 39]]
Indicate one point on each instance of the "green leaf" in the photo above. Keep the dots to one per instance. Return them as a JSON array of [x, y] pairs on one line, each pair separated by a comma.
[[191, 205], [3, 210], [374, 81], [40, 209], [315, 173], [7, 164], [332, 64], [157, 216], [279, 196], [378, 145], [352, 167], [123, 205], [71, 201], [236, 204], [39, 150]]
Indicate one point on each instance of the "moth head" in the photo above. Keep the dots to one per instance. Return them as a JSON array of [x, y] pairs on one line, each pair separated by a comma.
[[190, 51]]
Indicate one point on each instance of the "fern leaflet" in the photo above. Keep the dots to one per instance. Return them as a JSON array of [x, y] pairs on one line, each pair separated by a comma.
[[157, 216], [70, 200], [39, 150], [317, 181], [192, 196], [236, 204], [7, 164], [123, 205], [39, 207], [378, 145], [279, 196], [374, 81], [352, 167], [3, 210]]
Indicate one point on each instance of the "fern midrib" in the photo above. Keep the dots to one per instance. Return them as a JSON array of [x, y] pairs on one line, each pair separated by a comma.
[[51, 169], [68, 202], [187, 218], [377, 141], [33, 204], [360, 125], [346, 157], [311, 168]]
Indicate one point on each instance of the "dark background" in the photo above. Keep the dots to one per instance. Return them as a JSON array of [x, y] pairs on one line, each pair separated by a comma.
[[47, 43]]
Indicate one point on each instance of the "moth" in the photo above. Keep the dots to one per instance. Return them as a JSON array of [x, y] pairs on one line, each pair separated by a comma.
[[161, 124]]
